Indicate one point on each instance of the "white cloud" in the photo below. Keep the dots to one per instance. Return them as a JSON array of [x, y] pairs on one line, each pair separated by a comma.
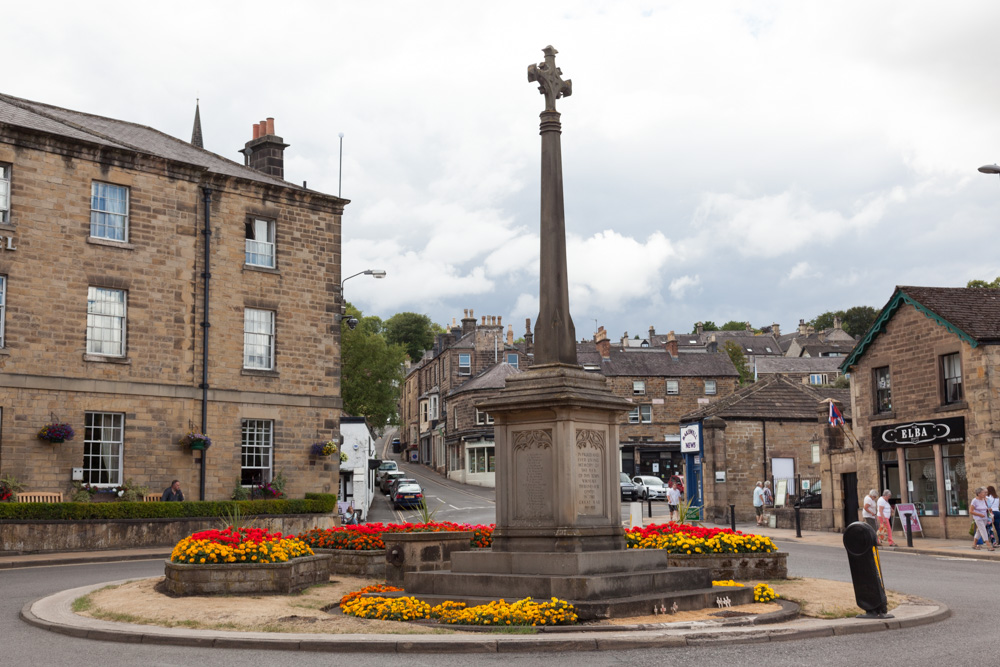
[[680, 286], [801, 271]]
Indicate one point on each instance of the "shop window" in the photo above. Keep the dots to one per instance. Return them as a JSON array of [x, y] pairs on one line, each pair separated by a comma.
[[481, 459], [951, 376], [956, 482], [921, 479], [883, 390]]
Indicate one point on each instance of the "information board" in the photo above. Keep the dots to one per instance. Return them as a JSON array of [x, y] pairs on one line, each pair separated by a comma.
[[904, 509]]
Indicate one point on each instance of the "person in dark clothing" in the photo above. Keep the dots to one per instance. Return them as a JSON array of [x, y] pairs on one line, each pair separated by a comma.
[[173, 492]]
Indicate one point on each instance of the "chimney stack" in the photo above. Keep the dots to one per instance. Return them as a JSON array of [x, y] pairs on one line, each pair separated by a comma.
[[776, 329], [671, 345], [265, 152], [468, 322], [803, 329], [510, 334], [652, 332], [837, 324], [529, 338], [603, 344], [699, 328]]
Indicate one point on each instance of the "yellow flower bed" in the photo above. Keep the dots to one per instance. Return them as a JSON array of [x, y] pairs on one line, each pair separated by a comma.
[[499, 613], [729, 582], [200, 552], [764, 593], [723, 543]]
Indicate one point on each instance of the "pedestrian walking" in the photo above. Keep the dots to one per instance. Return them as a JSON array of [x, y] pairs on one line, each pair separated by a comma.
[[979, 511], [758, 503], [673, 500], [993, 503], [870, 511], [885, 510]]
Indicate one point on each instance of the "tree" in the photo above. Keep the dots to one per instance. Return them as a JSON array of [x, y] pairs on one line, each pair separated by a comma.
[[739, 360], [733, 325], [708, 325], [994, 284], [855, 321], [413, 331], [371, 370]]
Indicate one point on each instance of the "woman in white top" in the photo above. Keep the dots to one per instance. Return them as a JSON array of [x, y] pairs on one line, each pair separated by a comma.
[[884, 511], [978, 508], [869, 512], [993, 502]]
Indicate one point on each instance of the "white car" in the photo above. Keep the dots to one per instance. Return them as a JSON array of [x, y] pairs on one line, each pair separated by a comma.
[[650, 487]]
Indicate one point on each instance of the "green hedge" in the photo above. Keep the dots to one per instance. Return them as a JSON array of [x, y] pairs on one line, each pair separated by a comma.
[[313, 503]]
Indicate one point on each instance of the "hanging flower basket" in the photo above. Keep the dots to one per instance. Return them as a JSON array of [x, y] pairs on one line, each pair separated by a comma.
[[319, 449], [56, 432], [196, 441]]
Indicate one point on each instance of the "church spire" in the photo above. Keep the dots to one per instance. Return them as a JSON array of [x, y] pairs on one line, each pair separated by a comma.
[[196, 131]]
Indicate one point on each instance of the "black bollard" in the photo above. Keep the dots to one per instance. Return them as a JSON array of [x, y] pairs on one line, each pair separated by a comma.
[[798, 520], [860, 541], [732, 517], [909, 530], [649, 501]]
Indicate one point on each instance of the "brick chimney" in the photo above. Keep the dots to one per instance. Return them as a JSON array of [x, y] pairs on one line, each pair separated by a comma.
[[266, 151], [837, 324], [529, 338], [468, 322], [510, 334], [652, 332], [603, 344], [776, 329], [699, 328], [671, 345], [713, 345], [803, 329]]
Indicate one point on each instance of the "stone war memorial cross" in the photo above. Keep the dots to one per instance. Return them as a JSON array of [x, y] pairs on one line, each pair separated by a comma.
[[558, 527]]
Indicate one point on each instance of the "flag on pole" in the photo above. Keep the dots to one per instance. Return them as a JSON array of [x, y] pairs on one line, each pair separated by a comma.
[[836, 419]]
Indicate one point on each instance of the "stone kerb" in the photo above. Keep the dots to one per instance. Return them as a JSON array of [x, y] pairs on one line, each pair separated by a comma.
[[421, 552], [368, 564], [740, 567], [249, 579]]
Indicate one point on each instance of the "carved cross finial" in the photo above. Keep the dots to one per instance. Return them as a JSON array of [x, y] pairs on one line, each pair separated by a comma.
[[549, 78]]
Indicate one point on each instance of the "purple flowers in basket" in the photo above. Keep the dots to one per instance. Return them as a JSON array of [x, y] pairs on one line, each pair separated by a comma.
[[56, 432]]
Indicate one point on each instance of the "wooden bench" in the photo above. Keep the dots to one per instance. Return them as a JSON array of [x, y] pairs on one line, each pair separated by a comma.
[[152, 497], [39, 497]]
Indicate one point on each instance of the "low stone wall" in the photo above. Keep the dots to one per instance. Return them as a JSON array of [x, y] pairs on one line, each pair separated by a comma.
[[258, 579], [370, 564], [814, 518], [737, 566], [421, 552], [55, 536]]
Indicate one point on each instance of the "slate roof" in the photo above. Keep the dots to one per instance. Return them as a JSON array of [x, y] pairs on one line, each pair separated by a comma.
[[971, 313], [774, 397], [101, 131], [492, 378], [826, 349], [656, 362], [771, 365], [757, 344]]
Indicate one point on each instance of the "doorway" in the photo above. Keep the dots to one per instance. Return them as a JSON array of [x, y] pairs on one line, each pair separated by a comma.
[[849, 482]]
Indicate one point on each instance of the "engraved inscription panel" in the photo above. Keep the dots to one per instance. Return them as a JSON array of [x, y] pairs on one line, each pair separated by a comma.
[[533, 475], [590, 482]]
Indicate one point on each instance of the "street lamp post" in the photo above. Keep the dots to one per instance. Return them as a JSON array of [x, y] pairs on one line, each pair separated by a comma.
[[352, 322], [990, 169]]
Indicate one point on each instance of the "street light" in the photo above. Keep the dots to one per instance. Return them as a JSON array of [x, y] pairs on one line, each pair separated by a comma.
[[352, 322], [990, 169]]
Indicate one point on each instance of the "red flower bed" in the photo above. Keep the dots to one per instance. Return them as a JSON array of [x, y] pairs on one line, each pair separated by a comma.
[[233, 537], [368, 537], [694, 532]]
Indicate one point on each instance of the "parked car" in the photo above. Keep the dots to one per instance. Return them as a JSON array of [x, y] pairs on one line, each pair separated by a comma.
[[383, 468], [387, 478], [398, 482], [813, 497], [650, 487], [407, 495], [629, 490]]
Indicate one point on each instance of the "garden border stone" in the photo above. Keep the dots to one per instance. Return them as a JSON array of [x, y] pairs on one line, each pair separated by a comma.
[[285, 578]]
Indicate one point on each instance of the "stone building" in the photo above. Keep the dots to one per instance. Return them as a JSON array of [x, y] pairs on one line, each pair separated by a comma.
[[926, 402], [775, 429], [149, 288], [663, 385], [808, 370]]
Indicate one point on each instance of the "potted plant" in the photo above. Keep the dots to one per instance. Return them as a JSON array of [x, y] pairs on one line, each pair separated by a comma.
[[327, 448], [196, 441], [56, 432]]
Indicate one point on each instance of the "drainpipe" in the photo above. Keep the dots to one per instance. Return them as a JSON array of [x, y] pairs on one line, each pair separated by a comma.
[[763, 428], [206, 279]]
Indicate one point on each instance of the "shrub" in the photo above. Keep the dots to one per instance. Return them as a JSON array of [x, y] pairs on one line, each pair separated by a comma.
[[313, 503]]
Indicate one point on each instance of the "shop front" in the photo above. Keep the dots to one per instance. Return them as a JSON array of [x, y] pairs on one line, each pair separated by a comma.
[[923, 463]]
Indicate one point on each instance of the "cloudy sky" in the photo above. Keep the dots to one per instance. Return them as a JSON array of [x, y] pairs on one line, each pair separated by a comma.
[[763, 161]]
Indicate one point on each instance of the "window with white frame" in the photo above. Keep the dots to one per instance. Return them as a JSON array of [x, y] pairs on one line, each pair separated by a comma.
[[106, 316], [710, 387], [258, 339], [433, 407], [638, 387], [641, 414], [256, 451], [512, 359], [423, 410], [481, 459], [103, 440], [3, 309], [483, 418], [4, 193], [673, 387], [951, 374], [260, 242], [465, 364], [108, 211], [818, 378]]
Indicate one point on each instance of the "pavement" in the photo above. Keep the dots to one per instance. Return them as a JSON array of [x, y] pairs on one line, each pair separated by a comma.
[[54, 613]]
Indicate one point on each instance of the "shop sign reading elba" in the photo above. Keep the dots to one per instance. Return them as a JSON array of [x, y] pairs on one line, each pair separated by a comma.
[[919, 433]]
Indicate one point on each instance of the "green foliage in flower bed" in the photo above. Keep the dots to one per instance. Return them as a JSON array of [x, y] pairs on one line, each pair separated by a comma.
[[313, 503]]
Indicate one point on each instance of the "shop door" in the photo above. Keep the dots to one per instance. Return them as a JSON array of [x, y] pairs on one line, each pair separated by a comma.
[[849, 482]]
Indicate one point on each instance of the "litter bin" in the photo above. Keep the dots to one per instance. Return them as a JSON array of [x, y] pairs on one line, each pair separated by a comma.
[[861, 542]]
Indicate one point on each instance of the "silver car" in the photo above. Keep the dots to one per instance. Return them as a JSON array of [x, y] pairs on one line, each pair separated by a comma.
[[650, 487]]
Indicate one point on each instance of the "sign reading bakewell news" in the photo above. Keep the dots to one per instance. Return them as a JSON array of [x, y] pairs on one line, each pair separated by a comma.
[[919, 433]]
